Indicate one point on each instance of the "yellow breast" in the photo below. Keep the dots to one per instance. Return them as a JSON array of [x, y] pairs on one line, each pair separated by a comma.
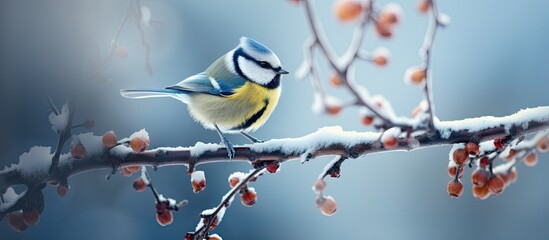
[[245, 110]]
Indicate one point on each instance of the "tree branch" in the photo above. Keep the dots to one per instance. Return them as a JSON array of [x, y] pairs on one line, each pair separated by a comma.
[[326, 141]]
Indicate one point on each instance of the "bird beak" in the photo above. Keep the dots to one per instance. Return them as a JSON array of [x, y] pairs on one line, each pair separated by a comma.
[[282, 71]]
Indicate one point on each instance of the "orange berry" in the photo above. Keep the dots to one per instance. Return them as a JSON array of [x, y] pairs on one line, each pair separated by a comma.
[[418, 76], [384, 30], [390, 14], [296, 2], [126, 172], [380, 61], [62, 190], [109, 139], [460, 156], [233, 181], [78, 151], [164, 218], [320, 185], [505, 177], [479, 177], [454, 188], [139, 144], [198, 181], [496, 185], [452, 170], [512, 153], [390, 143], [121, 52], [327, 205], [31, 217], [139, 185], [543, 144], [333, 110], [348, 10], [16, 221], [481, 193], [531, 160], [215, 236], [423, 6], [198, 185], [367, 120], [335, 80], [513, 174], [472, 148], [248, 197], [134, 169]]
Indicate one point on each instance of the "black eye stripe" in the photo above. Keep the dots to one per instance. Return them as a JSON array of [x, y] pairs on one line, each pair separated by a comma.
[[266, 65]]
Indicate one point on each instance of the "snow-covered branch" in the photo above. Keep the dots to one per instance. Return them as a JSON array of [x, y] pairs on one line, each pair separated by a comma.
[[325, 141]]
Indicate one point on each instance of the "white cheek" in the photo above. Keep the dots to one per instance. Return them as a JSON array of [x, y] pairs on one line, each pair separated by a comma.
[[254, 72]]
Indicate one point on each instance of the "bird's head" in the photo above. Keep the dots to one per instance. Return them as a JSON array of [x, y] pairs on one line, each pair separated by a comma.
[[253, 61]]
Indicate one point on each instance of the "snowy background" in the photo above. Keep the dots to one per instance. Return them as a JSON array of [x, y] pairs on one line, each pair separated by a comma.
[[492, 60]]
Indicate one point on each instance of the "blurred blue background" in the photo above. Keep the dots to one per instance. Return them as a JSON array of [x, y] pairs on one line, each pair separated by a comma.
[[492, 60]]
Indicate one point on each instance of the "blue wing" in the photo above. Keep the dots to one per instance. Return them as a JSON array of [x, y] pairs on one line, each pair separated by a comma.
[[204, 83]]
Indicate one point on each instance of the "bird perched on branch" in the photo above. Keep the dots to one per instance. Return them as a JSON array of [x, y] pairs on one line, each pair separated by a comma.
[[235, 94]]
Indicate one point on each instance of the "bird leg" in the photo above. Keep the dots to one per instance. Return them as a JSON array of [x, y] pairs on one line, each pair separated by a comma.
[[251, 138], [228, 145]]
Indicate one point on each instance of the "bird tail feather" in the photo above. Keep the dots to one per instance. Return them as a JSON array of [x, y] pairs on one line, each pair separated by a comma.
[[154, 93]]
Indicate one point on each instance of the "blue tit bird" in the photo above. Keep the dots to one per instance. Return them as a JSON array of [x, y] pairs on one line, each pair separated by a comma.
[[236, 94]]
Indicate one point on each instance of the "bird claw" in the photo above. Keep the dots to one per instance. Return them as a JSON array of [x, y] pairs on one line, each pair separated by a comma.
[[229, 146]]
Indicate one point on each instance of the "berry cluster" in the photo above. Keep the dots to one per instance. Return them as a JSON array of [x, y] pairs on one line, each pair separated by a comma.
[[488, 179]]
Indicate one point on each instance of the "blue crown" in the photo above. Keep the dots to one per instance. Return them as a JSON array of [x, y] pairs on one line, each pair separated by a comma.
[[254, 45]]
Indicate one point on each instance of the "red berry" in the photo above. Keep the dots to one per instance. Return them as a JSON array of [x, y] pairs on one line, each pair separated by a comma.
[[31, 217], [164, 218], [455, 188], [481, 192], [460, 156], [333, 110], [248, 197], [479, 177], [233, 181], [390, 143], [273, 167], [496, 185], [189, 236], [483, 162], [452, 170], [472, 148], [126, 172], [16, 221], [139, 185], [62, 190], [198, 185], [499, 142], [335, 172], [367, 120]]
